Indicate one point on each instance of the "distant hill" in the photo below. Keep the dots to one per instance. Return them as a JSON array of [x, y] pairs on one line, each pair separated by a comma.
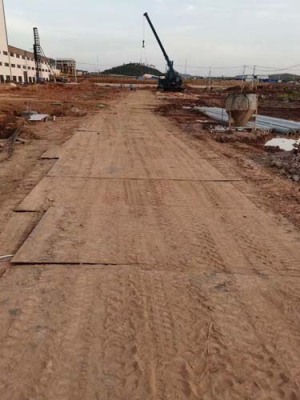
[[285, 77], [132, 69]]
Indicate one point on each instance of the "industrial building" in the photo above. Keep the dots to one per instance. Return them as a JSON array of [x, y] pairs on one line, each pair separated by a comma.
[[17, 65], [66, 66], [251, 78]]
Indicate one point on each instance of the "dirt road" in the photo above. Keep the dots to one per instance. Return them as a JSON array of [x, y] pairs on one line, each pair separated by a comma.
[[141, 271]]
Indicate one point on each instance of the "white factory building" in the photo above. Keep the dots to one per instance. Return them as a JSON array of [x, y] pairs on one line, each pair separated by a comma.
[[17, 65], [251, 78]]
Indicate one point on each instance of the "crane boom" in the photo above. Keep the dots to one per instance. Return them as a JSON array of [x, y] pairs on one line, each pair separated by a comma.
[[39, 57], [172, 80], [37, 53], [169, 62]]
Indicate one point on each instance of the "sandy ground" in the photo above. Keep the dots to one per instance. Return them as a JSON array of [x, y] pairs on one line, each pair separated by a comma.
[[268, 175], [145, 267]]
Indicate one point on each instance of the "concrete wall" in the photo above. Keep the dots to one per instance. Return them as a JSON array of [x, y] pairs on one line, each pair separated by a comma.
[[4, 55], [3, 33]]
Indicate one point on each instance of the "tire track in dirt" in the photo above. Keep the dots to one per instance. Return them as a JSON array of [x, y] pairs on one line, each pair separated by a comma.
[[17, 332], [238, 347], [198, 311], [76, 344], [127, 365], [69, 348], [127, 333]]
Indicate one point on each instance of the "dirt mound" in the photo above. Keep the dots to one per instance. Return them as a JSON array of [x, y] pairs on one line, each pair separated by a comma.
[[287, 162], [8, 124], [255, 137], [233, 88], [28, 134]]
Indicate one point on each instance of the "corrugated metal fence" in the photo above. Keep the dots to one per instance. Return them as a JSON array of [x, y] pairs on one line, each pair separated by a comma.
[[277, 125]]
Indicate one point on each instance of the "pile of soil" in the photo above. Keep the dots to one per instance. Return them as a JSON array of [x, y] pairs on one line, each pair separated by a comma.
[[255, 137], [29, 134], [278, 110], [8, 125], [287, 162]]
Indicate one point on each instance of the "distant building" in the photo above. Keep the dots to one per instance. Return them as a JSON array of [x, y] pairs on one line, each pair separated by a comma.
[[81, 72], [251, 78], [67, 66]]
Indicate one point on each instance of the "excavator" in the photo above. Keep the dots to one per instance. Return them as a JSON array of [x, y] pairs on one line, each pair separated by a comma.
[[172, 81]]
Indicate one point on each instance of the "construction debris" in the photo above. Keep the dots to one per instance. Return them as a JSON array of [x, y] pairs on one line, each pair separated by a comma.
[[39, 117], [12, 140], [215, 120], [283, 144], [28, 113], [287, 163], [6, 258]]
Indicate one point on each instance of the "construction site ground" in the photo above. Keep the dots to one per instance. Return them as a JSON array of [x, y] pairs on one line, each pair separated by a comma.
[[149, 261]]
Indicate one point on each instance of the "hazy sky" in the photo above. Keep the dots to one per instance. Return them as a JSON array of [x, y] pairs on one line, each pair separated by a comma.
[[217, 33]]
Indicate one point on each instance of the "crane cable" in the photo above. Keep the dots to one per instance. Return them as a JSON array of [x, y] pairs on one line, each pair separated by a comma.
[[144, 59], [144, 33]]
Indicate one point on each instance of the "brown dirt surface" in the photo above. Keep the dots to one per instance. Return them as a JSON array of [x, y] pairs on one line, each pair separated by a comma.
[[148, 265], [122, 80], [246, 148], [275, 100], [20, 173]]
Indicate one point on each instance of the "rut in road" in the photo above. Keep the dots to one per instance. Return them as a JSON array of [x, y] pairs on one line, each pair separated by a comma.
[[149, 275]]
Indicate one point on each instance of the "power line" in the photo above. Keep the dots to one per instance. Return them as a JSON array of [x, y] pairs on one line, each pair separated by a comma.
[[279, 69], [259, 68]]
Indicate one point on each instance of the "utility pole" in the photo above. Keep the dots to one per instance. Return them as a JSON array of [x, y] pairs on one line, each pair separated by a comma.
[[253, 81], [243, 76], [209, 77], [55, 69]]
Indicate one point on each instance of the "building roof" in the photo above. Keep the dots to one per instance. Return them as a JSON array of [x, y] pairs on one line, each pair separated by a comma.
[[21, 52], [28, 54]]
